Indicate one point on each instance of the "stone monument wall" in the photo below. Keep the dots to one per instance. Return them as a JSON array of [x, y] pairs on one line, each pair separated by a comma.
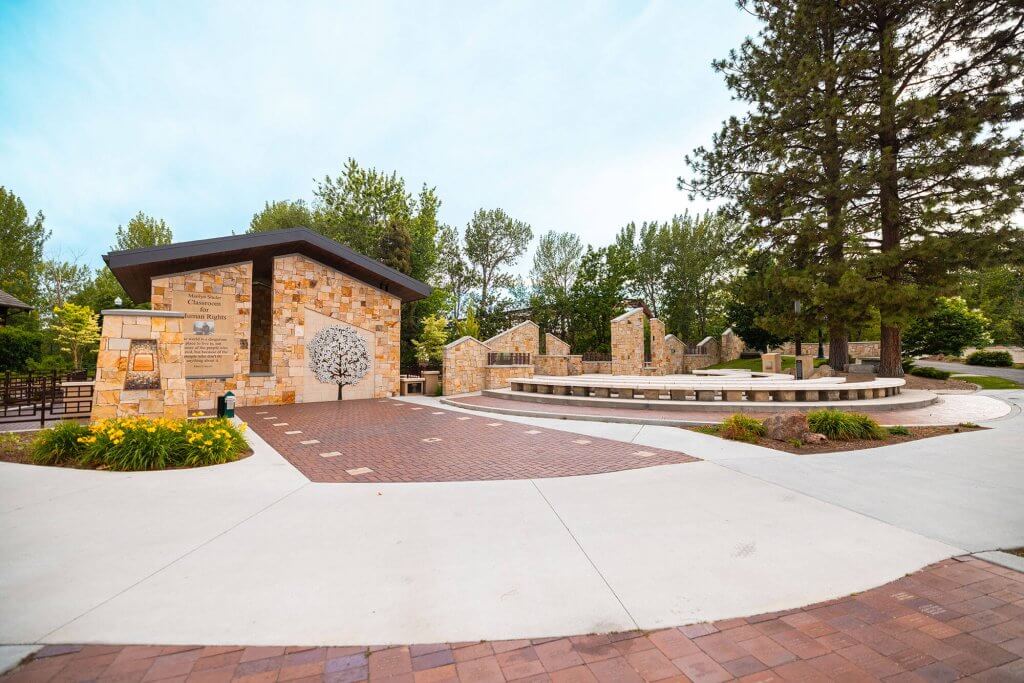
[[523, 338], [465, 364], [628, 343], [553, 346]]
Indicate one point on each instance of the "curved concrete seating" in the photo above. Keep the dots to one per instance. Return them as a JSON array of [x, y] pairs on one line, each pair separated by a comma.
[[709, 389]]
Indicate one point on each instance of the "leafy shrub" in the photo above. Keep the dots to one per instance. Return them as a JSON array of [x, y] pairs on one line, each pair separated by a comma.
[[60, 444], [898, 430], [18, 347], [908, 364], [949, 328], [840, 425], [930, 373], [740, 427], [995, 359], [138, 443]]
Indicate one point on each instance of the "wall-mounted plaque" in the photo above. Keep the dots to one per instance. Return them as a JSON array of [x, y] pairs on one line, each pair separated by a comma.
[[143, 365], [209, 332]]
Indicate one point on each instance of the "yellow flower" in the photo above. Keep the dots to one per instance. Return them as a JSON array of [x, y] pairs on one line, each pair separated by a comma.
[[151, 429]]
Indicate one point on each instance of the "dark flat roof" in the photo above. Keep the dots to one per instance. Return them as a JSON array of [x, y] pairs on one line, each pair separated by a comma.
[[136, 267]]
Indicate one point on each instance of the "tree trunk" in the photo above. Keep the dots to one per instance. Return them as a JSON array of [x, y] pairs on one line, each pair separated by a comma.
[[888, 199], [838, 347], [891, 364]]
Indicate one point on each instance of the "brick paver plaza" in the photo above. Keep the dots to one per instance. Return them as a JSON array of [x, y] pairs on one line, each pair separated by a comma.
[[958, 618], [395, 441]]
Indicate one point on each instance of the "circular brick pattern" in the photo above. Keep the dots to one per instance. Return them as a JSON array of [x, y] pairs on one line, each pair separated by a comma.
[[395, 441]]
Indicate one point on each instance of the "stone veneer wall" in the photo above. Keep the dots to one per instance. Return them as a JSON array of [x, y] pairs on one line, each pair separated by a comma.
[[235, 279], [730, 347], [523, 338], [676, 351], [553, 346], [498, 376], [858, 349], [555, 366], [300, 283], [120, 327], [660, 360], [628, 343], [595, 367], [465, 362]]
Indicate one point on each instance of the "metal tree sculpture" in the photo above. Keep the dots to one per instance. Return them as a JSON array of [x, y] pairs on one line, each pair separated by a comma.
[[338, 355]]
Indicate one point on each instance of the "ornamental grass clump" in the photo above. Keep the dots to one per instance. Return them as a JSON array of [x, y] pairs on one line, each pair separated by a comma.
[[740, 427], [59, 445], [840, 425], [139, 443]]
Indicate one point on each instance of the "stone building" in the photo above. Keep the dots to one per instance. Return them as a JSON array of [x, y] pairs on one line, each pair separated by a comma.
[[250, 314]]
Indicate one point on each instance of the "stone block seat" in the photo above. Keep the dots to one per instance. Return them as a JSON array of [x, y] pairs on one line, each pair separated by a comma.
[[727, 387]]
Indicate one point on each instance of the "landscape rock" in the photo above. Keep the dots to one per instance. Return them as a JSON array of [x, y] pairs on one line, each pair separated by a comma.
[[811, 437], [823, 371], [785, 426]]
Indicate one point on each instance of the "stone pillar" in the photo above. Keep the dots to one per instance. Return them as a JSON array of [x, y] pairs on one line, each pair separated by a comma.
[[628, 343], [806, 362], [771, 362], [139, 367], [659, 350]]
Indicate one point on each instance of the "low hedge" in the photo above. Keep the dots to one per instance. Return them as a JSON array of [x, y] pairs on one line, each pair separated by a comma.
[[930, 373], [994, 359], [139, 443]]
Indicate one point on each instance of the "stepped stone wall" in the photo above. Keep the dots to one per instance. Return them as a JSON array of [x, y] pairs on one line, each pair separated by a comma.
[[553, 346], [523, 338], [660, 361], [465, 366], [628, 343]]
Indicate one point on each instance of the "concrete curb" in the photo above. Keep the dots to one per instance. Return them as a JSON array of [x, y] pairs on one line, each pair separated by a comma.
[[1008, 560]]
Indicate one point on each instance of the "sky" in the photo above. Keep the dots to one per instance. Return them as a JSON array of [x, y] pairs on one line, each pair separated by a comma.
[[571, 116]]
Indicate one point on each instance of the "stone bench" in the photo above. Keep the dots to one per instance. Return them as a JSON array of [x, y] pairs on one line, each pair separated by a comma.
[[821, 389]]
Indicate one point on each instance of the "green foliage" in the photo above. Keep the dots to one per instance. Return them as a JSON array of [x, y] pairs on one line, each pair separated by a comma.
[[995, 359], [930, 373], [138, 443], [21, 248], [59, 445], [396, 248], [999, 294], [469, 326], [142, 231], [49, 362], [555, 266], [947, 329], [750, 302], [898, 430], [18, 347], [908, 364], [76, 329], [281, 215], [989, 382], [454, 272], [494, 241], [839, 425], [597, 296], [740, 427], [61, 281], [430, 346]]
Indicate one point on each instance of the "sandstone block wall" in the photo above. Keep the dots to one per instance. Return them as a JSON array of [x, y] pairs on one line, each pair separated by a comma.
[[676, 351], [628, 343], [465, 363], [730, 346], [595, 367], [553, 346], [858, 349], [660, 361], [110, 398], [498, 376], [556, 366], [523, 338]]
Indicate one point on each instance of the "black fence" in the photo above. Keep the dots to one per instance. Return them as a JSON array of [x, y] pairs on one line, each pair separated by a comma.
[[41, 397], [599, 356], [505, 358], [416, 370]]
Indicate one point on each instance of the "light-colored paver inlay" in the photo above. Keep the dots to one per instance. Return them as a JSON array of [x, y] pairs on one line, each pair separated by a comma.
[[532, 431], [432, 439], [582, 442], [332, 454], [465, 418], [417, 408], [294, 431], [280, 424], [359, 470], [437, 412], [309, 442], [272, 417], [644, 454], [262, 412], [493, 424]]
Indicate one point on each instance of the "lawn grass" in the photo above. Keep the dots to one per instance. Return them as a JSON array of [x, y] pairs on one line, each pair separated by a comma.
[[754, 364], [988, 382]]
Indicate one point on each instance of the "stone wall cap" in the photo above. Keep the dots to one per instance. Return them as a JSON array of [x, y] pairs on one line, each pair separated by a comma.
[[142, 312], [627, 314]]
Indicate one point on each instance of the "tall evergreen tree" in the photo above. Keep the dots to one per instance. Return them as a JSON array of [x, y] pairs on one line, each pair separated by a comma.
[[947, 160], [21, 248]]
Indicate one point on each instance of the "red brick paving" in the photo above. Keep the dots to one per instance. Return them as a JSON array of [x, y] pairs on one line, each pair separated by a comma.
[[387, 436], [955, 619]]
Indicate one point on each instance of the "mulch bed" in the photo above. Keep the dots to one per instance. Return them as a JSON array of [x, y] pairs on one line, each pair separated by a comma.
[[858, 444], [915, 382]]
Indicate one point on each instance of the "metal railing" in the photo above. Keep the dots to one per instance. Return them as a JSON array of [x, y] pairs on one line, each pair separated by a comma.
[[507, 358], [599, 356], [39, 397]]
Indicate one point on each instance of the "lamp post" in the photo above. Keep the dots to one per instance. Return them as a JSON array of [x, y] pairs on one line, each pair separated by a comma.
[[797, 307]]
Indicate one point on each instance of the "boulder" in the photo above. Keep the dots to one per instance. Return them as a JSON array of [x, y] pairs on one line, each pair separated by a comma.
[[823, 371], [811, 437], [785, 426]]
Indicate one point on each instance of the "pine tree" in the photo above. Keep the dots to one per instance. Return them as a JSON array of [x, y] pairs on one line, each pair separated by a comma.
[[396, 248]]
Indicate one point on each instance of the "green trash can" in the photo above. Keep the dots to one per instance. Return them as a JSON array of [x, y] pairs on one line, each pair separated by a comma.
[[226, 405]]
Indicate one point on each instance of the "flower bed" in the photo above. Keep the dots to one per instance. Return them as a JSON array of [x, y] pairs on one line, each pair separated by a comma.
[[138, 443]]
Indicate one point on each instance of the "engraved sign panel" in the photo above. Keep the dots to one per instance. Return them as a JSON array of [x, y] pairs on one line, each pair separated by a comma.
[[209, 332]]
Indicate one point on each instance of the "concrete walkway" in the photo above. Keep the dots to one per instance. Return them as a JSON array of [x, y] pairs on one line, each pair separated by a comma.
[[1015, 374], [252, 552]]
